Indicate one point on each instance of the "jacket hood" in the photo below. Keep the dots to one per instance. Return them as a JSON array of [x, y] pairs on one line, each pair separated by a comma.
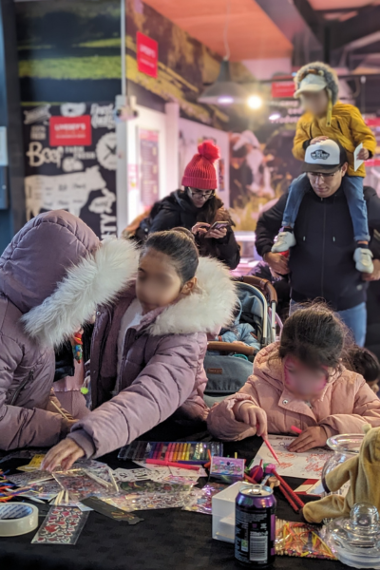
[[40, 254], [81, 273], [207, 309]]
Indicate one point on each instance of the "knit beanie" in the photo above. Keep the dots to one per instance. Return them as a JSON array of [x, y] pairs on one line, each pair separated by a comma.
[[200, 172]]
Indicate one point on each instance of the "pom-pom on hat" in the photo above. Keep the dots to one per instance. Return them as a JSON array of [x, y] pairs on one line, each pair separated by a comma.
[[200, 172]]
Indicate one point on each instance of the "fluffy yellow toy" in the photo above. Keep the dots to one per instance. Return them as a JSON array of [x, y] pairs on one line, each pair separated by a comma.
[[363, 472]]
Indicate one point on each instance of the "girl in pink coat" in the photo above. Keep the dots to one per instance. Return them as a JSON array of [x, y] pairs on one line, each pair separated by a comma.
[[148, 348], [300, 381]]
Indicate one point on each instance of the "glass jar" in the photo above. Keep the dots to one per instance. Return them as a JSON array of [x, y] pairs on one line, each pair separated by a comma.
[[345, 446]]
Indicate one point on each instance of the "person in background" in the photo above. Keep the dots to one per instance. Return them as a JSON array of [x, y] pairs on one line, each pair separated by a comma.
[[197, 208], [364, 362], [300, 381], [317, 86], [148, 348], [321, 264], [52, 275]]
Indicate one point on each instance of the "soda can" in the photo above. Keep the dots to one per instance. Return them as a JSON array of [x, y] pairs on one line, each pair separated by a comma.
[[255, 526]]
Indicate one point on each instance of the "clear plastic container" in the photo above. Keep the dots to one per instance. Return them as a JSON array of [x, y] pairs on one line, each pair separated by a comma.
[[345, 446], [356, 540]]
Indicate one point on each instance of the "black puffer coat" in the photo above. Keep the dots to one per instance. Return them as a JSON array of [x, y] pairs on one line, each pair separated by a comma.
[[177, 210]]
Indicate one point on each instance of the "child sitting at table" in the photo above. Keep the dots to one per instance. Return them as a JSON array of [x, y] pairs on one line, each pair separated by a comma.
[[300, 381], [364, 362], [148, 348]]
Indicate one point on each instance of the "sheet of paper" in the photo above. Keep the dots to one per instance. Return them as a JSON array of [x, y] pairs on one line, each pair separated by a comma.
[[357, 162], [307, 465], [188, 473]]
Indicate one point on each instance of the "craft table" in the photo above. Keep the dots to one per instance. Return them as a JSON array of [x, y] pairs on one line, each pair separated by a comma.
[[168, 539]]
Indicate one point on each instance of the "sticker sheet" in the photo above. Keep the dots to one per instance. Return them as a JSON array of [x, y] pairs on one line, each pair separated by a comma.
[[141, 474], [29, 478], [62, 525], [148, 501], [77, 485], [144, 487], [200, 500], [306, 465]]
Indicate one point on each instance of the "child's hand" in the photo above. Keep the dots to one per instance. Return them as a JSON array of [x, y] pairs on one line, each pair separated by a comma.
[[64, 454], [311, 437], [318, 139], [364, 154], [253, 416]]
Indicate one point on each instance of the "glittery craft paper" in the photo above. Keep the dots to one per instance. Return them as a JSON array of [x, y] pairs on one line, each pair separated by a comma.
[[62, 525], [200, 500]]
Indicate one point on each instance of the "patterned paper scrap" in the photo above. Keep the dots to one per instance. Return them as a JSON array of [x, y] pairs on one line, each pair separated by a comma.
[[62, 525], [305, 465]]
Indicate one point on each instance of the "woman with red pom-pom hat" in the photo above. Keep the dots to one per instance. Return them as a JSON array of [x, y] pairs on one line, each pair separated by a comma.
[[197, 207]]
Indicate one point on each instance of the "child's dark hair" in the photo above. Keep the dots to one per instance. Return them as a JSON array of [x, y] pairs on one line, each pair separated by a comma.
[[364, 362], [316, 336], [180, 246]]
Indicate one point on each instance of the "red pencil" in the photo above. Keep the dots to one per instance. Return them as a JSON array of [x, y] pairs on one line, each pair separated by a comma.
[[171, 464], [271, 450], [289, 490], [289, 499], [296, 429]]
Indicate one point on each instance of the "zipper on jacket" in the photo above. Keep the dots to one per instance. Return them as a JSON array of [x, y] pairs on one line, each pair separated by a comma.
[[22, 385], [323, 249]]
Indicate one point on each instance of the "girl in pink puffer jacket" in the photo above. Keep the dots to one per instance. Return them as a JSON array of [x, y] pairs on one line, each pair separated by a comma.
[[300, 382], [148, 348]]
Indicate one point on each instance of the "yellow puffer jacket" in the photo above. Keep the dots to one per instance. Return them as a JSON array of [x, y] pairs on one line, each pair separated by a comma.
[[347, 127]]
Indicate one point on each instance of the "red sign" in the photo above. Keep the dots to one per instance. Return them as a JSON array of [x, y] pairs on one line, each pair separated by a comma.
[[283, 90], [374, 122], [147, 55], [70, 131], [373, 162]]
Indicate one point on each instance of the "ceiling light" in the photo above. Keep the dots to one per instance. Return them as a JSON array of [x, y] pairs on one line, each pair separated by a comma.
[[254, 102], [274, 116], [224, 91]]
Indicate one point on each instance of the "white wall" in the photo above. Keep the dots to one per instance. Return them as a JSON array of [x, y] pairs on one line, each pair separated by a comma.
[[178, 140]]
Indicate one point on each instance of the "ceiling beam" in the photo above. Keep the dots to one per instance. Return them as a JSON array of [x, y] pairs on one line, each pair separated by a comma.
[[313, 19], [364, 24]]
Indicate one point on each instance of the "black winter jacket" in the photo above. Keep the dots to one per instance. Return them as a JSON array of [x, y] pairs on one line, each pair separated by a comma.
[[321, 264], [177, 210]]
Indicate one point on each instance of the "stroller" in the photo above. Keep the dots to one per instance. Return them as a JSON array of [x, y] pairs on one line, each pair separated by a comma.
[[227, 364]]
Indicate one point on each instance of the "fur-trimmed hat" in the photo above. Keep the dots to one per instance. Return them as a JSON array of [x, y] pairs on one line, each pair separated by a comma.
[[325, 78]]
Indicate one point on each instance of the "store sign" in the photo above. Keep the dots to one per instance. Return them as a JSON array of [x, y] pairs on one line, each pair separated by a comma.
[[70, 131], [283, 90], [147, 55], [373, 122]]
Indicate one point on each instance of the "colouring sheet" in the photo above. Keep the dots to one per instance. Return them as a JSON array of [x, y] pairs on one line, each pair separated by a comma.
[[306, 465]]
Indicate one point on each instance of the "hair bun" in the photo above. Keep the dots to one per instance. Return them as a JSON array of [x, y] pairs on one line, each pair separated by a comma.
[[209, 150], [184, 231]]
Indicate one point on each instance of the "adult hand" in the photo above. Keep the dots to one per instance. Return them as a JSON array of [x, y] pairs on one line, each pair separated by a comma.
[[277, 262], [375, 275], [318, 139], [216, 234], [364, 154], [64, 454], [253, 416], [311, 437], [200, 228]]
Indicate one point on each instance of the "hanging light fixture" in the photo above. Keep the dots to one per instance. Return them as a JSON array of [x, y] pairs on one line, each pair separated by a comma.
[[224, 91]]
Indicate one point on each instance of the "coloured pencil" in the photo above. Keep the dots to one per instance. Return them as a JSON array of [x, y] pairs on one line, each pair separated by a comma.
[[171, 464], [271, 450], [289, 499], [296, 429], [289, 490]]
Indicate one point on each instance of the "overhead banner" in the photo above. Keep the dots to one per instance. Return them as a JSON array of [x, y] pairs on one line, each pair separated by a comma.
[[70, 162]]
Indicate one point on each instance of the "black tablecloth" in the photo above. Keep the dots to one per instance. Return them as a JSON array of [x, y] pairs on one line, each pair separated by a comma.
[[167, 539]]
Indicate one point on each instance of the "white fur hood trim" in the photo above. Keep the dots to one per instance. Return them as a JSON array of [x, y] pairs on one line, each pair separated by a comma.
[[96, 280], [207, 309]]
